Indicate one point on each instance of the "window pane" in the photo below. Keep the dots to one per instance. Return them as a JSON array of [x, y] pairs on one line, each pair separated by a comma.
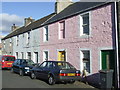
[[62, 30], [85, 24], [86, 60], [86, 29]]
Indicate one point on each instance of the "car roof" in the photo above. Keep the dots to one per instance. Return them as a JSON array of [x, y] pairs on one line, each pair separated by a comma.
[[57, 61], [23, 59], [8, 56]]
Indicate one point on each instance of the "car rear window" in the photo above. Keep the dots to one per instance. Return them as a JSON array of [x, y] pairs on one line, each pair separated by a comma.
[[65, 65], [9, 58], [29, 62]]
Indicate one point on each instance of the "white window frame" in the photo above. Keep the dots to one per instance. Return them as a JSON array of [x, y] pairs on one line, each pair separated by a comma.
[[45, 34], [81, 34], [81, 61], [28, 38], [60, 29], [30, 55], [10, 41], [17, 40], [44, 55]]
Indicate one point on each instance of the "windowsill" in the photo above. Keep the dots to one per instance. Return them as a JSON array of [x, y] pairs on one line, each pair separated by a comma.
[[61, 38], [85, 36], [45, 41]]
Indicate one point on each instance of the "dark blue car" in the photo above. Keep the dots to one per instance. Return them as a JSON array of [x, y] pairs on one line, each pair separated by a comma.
[[22, 66], [56, 71]]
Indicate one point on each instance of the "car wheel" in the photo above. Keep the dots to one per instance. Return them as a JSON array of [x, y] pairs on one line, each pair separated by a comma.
[[33, 76], [72, 81], [11, 70], [21, 72], [51, 80]]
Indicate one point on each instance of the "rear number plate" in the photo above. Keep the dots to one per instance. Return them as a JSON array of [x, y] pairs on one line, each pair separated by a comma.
[[71, 74], [9, 63]]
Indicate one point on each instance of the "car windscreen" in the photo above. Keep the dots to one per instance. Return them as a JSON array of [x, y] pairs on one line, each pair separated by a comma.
[[65, 65], [9, 58]]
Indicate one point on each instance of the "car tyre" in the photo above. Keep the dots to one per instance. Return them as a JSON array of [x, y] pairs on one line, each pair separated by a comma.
[[32, 75], [51, 80], [21, 72]]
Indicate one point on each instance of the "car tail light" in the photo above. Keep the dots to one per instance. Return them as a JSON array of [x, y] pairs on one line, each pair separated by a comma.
[[77, 74], [63, 74]]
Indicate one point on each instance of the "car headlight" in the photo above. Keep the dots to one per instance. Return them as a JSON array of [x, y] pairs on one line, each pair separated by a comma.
[[27, 68]]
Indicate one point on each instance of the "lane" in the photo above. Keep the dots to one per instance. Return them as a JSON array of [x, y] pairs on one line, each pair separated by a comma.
[[13, 80]]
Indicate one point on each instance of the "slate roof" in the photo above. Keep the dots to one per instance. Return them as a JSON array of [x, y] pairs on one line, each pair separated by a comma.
[[32, 26], [73, 9]]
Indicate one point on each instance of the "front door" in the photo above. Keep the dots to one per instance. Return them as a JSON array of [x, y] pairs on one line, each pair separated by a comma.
[[61, 56], [108, 61]]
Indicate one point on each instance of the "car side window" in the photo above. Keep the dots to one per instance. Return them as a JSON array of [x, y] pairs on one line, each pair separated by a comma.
[[43, 64], [18, 62], [15, 62], [50, 65]]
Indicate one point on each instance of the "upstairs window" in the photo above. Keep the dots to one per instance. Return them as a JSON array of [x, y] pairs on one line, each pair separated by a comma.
[[62, 30], [45, 33], [28, 38], [10, 42], [17, 40], [84, 24]]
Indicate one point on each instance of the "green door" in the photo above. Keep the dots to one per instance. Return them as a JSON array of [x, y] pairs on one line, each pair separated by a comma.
[[108, 61]]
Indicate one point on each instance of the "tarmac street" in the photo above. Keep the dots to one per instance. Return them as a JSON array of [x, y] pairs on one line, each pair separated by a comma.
[[13, 80]]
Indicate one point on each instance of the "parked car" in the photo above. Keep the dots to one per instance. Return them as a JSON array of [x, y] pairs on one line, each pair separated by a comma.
[[55, 71], [22, 66], [6, 61]]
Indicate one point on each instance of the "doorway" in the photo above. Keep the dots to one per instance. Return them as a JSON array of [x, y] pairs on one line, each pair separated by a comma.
[[61, 56], [108, 61]]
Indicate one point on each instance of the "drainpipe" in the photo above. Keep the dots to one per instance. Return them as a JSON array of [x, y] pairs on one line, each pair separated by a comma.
[[116, 47]]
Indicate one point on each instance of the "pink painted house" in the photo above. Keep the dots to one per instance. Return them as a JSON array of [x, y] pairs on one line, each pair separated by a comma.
[[82, 34]]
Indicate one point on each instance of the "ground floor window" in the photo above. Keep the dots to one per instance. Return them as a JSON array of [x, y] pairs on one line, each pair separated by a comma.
[[17, 55], [85, 60], [36, 57], [29, 55], [45, 55], [22, 55]]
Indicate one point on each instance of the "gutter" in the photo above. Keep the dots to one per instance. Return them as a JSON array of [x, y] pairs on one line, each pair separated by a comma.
[[116, 47]]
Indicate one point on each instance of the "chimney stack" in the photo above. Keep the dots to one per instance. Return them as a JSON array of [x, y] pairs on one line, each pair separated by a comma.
[[61, 5], [14, 27], [28, 20]]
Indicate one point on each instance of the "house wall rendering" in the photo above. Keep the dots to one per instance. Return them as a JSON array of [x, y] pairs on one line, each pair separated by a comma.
[[101, 33]]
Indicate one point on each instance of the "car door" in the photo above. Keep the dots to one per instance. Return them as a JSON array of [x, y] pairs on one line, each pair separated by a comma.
[[46, 70], [40, 70], [14, 65], [17, 66]]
